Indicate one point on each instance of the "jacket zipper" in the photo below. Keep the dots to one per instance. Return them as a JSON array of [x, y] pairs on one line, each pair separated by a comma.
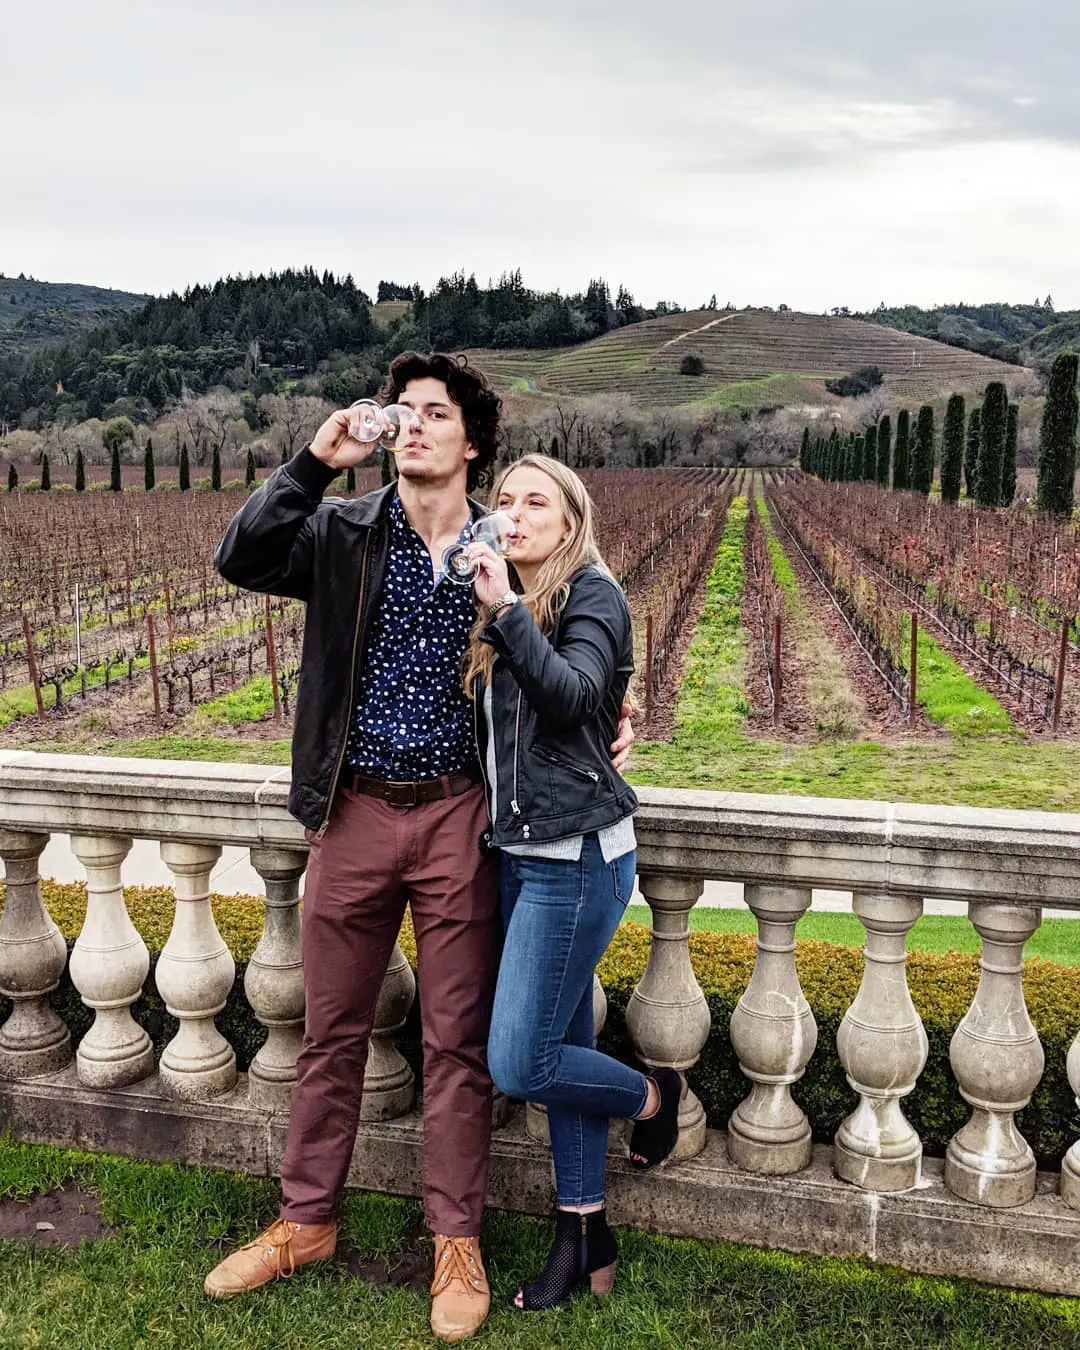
[[513, 801], [352, 684], [569, 764]]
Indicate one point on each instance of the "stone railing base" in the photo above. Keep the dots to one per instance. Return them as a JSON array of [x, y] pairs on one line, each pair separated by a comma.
[[926, 1229]]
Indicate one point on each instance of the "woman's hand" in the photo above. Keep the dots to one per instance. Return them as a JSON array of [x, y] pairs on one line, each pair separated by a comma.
[[492, 575], [624, 739]]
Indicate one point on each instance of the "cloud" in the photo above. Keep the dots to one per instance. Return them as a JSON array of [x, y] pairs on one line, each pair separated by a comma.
[[836, 152]]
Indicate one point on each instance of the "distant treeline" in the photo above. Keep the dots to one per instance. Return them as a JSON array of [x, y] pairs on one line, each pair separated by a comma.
[[1020, 334], [262, 334]]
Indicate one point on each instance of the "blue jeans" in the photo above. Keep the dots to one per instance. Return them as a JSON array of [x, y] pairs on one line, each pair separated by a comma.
[[559, 918]]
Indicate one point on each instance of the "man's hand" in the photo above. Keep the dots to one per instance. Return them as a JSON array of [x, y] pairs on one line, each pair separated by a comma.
[[624, 739], [335, 447]]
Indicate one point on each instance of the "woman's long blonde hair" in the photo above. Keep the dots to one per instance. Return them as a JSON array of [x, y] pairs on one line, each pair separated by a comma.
[[552, 587]]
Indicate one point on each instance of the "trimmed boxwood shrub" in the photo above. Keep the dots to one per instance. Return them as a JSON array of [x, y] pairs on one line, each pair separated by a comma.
[[942, 987]]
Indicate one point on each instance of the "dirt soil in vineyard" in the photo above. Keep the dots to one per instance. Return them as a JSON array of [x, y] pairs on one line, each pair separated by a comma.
[[667, 696], [884, 716]]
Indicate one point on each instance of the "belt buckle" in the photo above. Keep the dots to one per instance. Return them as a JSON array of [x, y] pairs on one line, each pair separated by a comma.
[[401, 794]]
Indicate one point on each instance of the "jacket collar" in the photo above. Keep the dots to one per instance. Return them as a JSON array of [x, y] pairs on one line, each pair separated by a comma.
[[370, 509]]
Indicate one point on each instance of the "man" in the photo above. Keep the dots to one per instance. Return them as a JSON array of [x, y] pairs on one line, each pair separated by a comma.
[[385, 779]]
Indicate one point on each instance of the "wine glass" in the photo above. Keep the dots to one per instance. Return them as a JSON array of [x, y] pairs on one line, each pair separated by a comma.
[[497, 530], [370, 422]]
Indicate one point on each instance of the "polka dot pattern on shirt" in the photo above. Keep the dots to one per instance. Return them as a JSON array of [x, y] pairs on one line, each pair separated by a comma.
[[412, 720]]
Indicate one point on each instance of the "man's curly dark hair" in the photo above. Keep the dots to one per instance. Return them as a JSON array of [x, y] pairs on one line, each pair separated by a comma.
[[468, 387]]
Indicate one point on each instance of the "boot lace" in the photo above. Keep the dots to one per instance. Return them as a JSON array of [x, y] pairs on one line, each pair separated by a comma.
[[457, 1260]]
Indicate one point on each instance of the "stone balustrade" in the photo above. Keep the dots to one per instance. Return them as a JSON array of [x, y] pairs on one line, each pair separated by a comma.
[[983, 1211]]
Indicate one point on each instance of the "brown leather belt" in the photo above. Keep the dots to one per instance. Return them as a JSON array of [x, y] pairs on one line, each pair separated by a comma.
[[413, 794]]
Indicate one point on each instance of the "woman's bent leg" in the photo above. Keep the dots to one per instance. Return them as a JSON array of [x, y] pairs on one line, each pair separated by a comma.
[[563, 917]]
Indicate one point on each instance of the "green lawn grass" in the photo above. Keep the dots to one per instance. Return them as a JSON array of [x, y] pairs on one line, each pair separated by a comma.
[[1057, 940], [142, 1286]]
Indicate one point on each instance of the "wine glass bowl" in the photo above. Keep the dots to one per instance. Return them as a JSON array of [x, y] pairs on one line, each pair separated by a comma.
[[498, 530], [370, 423]]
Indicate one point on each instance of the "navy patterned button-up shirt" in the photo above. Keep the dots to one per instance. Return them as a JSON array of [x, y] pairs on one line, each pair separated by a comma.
[[412, 720]]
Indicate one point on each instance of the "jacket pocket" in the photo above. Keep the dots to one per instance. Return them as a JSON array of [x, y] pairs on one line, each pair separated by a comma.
[[571, 765]]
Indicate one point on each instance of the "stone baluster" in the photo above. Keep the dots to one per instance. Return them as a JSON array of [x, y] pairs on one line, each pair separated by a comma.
[[882, 1046], [34, 1039], [536, 1124], [773, 1033], [108, 966], [195, 973], [667, 1015], [997, 1059], [1070, 1164], [274, 979], [389, 1089]]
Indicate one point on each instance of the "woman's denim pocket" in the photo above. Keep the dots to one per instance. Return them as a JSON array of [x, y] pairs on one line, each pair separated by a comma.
[[623, 872]]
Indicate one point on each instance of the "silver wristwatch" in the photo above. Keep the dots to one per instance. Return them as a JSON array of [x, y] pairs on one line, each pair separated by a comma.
[[501, 602]]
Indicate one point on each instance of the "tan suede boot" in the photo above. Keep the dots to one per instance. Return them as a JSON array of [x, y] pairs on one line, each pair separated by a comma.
[[273, 1255], [460, 1297]]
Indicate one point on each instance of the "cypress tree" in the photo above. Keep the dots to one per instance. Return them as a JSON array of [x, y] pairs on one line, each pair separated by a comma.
[[971, 452], [1057, 439], [215, 470], [46, 476], [12, 478], [884, 450], [922, 461], [284, 454], [249, 470], [115, 481], [995, 413], [185, 469], [952, 448], [149, 476], [1008, 464], [804, 450], [80, 472], [350, 480], [858, 446], [870, 454], [901, 477]]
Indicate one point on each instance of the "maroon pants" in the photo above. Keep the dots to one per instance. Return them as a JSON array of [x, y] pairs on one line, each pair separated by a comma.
[[373, 859]]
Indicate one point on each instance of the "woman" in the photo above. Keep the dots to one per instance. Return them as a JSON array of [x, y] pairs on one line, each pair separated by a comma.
[[547, 669]]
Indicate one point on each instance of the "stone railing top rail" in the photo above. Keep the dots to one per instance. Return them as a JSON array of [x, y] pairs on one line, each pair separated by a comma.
[[962, 853]]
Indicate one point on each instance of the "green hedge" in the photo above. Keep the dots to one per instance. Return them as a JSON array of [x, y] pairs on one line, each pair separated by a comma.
[[942, 987]]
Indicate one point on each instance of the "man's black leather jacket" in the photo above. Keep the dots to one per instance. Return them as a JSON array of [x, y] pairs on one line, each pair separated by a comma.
[[331, 554]]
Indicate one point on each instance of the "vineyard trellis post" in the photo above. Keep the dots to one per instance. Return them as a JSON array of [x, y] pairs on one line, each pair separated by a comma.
[[1063, 656], [153, 666], [32, 663], [271, 662], [913, 682], [777, 676], [648, 669]]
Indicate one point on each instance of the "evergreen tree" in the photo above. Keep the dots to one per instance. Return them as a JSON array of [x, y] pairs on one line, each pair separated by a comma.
[[952, 448], [901, 477], [149, 476], [46, 477], [284, 454], [804, 450], [971, 452], [884, 450], [1008, 464], [995, 414], [185, 469], [215, 470], [554, 451], [922, 461], [116, 483], [869, 472], [80, 472], [1057, 439], [249, 470], [12, 478], [856, 459], [350, 480]]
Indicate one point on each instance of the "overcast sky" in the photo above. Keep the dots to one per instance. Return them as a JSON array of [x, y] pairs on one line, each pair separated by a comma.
[[771, 151]]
